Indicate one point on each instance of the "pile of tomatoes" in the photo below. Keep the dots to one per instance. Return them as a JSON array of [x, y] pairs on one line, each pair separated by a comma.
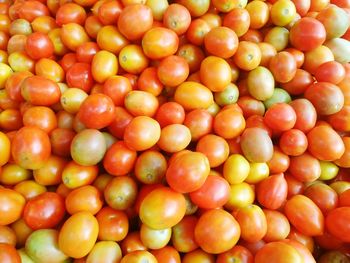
[[190, 131]]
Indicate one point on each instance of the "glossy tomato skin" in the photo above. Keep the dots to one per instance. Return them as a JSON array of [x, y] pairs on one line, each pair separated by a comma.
[[31, 147], [170, 209], [44, 211], [304, 215], [13, 206], [239, 253], [78, 235], [216, 231], [8, 254], [336, 223]]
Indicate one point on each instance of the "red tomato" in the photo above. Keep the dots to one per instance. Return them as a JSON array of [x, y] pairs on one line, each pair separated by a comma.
[[44, 211], [188, 172], [336, 223], [183, 234], [307, 34], [31, 147], [39, 45], [272, 191], [323, 196], [278, 227], [217, 231], [280, 117], [214, 193], [304, 215]]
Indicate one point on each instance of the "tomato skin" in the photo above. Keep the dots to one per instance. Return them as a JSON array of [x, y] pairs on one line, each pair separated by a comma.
[[13, 206], [236, 253], [44, 211], [214, 193], [173, 70], [31, 147], [253, 223], [78, 235], [280, 117], [170, 209], [183, 234], [188, 172], [177, 18], [278, 252], [307, 34], [336, 223], [135, 20], [86, 198], [40, 91], [159, 43], [272, 191], [323, 196], [167, 254], [304, 215], [326, 97], [108, 251], [305, 113], [278, 227], [113, 224], [216, 231], [305, 168], [325, 144], [8, 254], [79, 76], [283, 67]]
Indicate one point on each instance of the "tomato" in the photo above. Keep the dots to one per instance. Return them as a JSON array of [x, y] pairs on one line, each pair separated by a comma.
[[302, 250], [316, 57], [110, 39], [31, 147], [307, 34], [248, 54], [73, 35], [13, 206], [60, 139], [42, 246], [259, 14], [331, 71], [215, 148], [119, 123], [256, 145], [216, 231], [78, 235], [272, 191], [229, 124], [159, 43], [170, 209], [97, 111], [108, 11], [239, 253], [148, 81], [44, 211], [183, 234], [132, 242], [29, 10], [305, 168], [75, 175], [92, 200], [335, 21], [141, 103], [113, 224], [5, 146], [108, 251], [323, 196], [265, 90], [9, 254], [282, 12], [79, 76], [104, 65], [39, 45], [304, 215], [173, 70], [154, 239], [167, 254], [283, 67], [214, 193], [335, 223], [177, 18], [139, 257], [325, 144], [135, 20], [253, 223], [333, 256], [70, 13], [170, 113], [174, 138], [200, 123], [278, 252], [238, 20], [188, 172], [40, 91], [278, 227], [120, 193], [326, 97], [197, 30], [7, 235]]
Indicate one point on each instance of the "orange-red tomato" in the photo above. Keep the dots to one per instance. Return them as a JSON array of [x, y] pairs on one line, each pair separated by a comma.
[[13, 205], [304, 215], [216, 231], [335, 223]]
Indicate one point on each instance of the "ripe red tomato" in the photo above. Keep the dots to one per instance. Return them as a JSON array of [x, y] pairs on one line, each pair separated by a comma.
[[44, 211], [336, 223]]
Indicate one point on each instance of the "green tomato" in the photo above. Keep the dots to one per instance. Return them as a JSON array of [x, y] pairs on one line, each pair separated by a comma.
[[279, 96], [328, 170], [213, 109], [228, 96]]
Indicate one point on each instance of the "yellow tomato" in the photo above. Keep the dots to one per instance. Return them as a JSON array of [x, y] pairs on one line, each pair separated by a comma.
[[154, 239], [5, 148], [5, 72], [72, 98], [132, 59], [328, 170], [241, 195], [78, 235], [258, 172], [104, 65], [50, 69], [13, 174], [236, 169]]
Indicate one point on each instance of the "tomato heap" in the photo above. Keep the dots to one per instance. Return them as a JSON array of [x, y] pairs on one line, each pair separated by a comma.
[[181, 131]]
